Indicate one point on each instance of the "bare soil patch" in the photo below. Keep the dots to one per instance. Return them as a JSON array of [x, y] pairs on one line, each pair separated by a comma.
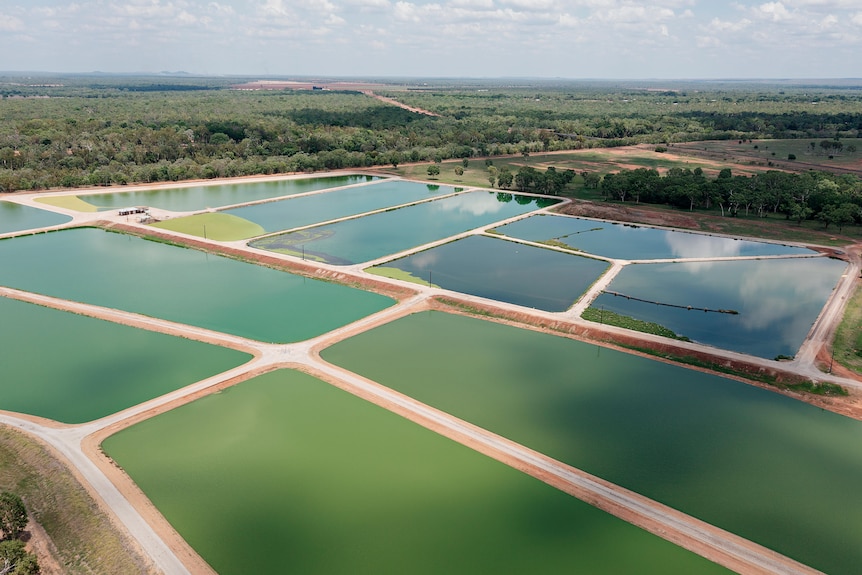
[[629, 213]]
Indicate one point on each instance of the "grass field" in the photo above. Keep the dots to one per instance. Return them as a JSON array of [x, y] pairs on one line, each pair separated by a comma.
[[848, 338], [86, 541], [597, 160], [69, 203], [777, 151], [214, 226]]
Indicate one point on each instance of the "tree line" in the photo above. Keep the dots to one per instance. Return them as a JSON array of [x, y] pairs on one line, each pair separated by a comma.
[[828, 198], [63, 133]]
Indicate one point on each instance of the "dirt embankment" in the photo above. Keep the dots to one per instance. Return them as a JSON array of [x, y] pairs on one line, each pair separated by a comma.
[[629, 213], [305, 269]]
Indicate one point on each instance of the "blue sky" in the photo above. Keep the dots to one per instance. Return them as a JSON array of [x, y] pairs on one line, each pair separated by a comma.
[[439, 38]]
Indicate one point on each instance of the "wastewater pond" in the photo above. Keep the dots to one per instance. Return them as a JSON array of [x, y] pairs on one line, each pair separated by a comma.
[[371, 237], [501, 270], [772, 469], [632, 242], [286, 474], [72, 368], [183, 285], [187, 199], [777, 300], [317, 208], [15, 218]]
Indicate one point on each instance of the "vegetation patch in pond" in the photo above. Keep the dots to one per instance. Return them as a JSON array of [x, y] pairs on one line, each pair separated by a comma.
[[776, 300], [286, 474], [607, 317], [214, 226]]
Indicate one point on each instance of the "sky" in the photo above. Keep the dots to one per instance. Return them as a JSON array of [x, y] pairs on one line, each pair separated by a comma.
[[577, 39]]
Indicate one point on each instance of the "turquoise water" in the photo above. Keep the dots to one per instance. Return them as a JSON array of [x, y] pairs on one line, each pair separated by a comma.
[[203, 197], [780, 472], [286, 474], [377, 235], [183, 285], [778, 300], [73, 368], [297, 212], [505, 271], [632, 242], [15, 218]]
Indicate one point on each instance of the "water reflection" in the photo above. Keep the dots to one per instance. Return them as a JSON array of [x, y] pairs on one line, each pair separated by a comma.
[[684, 245], [631, 242], [16, 217], [778, 300], [474, 204]]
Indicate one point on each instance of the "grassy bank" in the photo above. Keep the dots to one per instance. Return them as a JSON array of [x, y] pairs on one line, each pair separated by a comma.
[[848, 338], [85, 539]]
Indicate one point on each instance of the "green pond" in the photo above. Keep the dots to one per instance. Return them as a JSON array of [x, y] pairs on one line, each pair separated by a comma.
[[15, 218], [503, 270], [183, 285], [73, 368], [317, 208], [286, 474], [213, 196], [772, 469], [632, 242], [374, 236], [778, 300]]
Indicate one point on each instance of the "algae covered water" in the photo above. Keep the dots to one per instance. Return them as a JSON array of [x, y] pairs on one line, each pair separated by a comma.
[[73, 368], [186, 199], [286, 474], [16, 217], [183, 285], [764, 466]]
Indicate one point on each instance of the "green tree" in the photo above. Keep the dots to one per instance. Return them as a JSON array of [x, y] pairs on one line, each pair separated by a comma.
[[492, 175], [433, 170], [505, 177], [13, 516], [15, 560], [459, 171]]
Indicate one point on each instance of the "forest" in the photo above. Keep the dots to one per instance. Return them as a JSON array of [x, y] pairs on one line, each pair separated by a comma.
[[75, 131]]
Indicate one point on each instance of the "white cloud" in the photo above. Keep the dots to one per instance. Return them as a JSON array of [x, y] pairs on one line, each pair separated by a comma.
[[775, 11], [726, 26], [9, 23]]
